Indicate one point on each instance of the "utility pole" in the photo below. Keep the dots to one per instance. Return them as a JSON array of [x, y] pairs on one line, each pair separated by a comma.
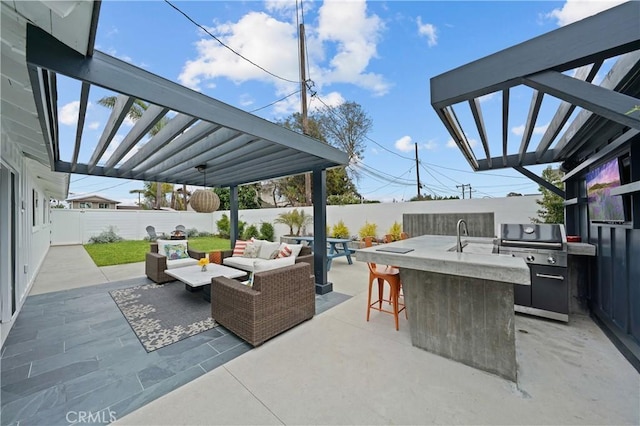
[[463, 186], [303, 100], [417, 172]]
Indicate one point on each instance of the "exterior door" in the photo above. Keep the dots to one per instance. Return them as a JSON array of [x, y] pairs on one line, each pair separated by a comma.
[[8, 243]]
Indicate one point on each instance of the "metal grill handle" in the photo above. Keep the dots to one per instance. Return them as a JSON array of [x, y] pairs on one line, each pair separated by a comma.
[[553, 277]]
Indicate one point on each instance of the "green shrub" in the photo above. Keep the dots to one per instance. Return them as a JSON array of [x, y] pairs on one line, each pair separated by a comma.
[[108, 236], [192, 232], [368, 230], [266, 231], [395, 230], [251, 231], [340, 230], [204, 234], [223, 225]]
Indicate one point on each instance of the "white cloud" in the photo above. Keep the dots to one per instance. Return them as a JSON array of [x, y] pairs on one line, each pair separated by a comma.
[[575, 10], [339, 48], [270, 43], [430, 145], [404, 144], [538, 130], [346, 27], [429, 31], [94, 125], [246, 100], [375, 151], [68, 114]]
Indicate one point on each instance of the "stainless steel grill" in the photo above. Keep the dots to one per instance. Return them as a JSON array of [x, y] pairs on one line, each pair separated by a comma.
[[544, 248]]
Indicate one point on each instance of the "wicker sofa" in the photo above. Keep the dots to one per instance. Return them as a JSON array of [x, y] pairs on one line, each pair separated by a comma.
[[156, 263], [279, 300]]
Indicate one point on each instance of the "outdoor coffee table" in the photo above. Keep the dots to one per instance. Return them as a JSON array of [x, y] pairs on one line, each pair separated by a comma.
[[195, 279]]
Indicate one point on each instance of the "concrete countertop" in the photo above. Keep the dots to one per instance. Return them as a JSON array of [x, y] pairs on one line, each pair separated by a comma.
[[431, 253], [581, 249]]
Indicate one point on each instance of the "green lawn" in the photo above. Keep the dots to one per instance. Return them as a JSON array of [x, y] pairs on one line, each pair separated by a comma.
[[135, 251]]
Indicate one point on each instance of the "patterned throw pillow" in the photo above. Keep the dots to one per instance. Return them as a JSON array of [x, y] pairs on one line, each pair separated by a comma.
[[238, 250], [251, 250], [285, 251], [176, 251]]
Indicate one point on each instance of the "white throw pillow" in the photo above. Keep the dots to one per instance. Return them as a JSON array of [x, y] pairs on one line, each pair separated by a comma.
[[267, 248]]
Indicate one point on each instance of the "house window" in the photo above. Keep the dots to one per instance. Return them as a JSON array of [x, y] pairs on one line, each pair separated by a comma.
[[34, 207], [103, 205], [85, 205]]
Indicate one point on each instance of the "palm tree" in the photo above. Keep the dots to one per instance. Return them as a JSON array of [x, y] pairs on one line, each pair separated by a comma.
[[137, 191]]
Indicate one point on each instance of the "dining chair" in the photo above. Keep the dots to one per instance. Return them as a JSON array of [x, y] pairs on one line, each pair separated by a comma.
[[382, 274]]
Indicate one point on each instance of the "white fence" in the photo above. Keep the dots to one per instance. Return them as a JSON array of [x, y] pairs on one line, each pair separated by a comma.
[[78, 226]]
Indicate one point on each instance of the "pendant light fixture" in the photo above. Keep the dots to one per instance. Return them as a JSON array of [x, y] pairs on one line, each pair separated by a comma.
[[204, 200]]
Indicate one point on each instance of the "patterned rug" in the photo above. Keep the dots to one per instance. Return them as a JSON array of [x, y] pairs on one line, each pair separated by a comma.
[[163, 314]]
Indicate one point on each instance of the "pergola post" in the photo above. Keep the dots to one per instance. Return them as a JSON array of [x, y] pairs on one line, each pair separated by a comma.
[[320, 231], [233, 215]]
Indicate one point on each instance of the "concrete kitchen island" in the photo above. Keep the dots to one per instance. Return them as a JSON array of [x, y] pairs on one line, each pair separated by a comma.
[[460, 305]]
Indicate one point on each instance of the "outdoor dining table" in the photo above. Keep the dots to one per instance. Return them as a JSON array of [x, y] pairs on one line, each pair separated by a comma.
[[336, 247]]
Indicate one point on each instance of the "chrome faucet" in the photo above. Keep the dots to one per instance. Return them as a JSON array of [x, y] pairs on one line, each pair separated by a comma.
[[466, 233]]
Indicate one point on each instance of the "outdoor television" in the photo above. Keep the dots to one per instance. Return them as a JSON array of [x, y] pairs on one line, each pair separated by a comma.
[[604, 207]]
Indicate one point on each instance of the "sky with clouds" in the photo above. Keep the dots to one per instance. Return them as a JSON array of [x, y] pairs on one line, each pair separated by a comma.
[[378, 54]]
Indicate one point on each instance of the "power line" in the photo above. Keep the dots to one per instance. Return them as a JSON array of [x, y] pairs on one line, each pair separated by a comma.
[[275, 102], [227, 47]]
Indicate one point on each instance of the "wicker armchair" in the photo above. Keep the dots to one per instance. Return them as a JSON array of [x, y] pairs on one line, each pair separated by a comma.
[[279, 300], [156, 264]]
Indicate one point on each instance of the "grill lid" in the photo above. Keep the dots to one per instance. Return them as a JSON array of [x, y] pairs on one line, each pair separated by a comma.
[[535, 235]]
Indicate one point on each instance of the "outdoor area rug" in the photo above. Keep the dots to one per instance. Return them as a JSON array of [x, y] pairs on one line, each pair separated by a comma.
[[163, 314]]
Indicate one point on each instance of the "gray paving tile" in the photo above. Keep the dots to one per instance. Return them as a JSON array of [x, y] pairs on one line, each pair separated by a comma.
[[189, 343], [22, 408], [93, 403], [225, 342], [190, 358], [64, 330], [36, 353], [35, 312], [89, 339], [90, 382], [22, 347], [223, 357], [63, 359], [17, 336], [132, 403], [153, 374], [93, 317], [15, 374], [39, 323], [43, 381]]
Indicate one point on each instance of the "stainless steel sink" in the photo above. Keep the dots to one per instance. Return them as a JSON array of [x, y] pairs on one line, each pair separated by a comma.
[[475, 248]]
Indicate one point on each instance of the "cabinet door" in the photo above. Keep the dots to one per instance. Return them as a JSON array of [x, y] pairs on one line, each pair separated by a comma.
[[549, 288], [522, 295]]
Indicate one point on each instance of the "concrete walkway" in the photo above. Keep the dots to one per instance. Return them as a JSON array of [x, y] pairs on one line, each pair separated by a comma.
[[340, 369]]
